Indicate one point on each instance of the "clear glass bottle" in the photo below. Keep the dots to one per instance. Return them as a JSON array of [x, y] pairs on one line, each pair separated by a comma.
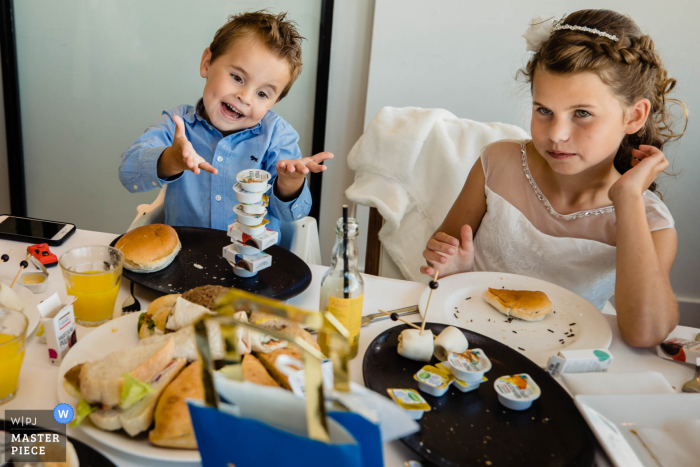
[[345, 303]]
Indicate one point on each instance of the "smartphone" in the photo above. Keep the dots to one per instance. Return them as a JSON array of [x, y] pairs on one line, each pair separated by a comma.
[[29, 230]]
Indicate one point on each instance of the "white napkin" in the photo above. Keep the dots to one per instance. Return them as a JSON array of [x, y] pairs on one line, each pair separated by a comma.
[[648, 382], [676, 445]]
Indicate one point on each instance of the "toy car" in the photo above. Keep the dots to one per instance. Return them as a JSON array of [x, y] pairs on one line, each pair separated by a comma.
[[42, 253]]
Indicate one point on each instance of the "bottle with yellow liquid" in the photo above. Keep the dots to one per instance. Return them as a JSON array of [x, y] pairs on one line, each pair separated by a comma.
[[342, 288]]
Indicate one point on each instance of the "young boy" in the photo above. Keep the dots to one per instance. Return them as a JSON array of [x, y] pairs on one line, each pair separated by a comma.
[[250, 66]]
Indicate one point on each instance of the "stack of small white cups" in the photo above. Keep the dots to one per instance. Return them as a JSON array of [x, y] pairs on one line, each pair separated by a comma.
[[250, 220]]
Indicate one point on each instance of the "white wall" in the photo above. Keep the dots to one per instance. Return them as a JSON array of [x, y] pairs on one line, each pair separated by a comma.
[[463, 55], [350, 50]]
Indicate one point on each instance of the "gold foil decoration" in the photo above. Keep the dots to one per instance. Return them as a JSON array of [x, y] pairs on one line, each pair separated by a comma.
[[339, 349]]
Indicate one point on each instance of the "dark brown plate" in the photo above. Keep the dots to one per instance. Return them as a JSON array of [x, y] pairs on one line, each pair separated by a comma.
[[288, 276], [473, 428]]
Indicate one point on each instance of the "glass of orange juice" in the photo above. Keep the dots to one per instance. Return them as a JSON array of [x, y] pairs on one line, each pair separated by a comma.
[[93, 275], [13, 331]]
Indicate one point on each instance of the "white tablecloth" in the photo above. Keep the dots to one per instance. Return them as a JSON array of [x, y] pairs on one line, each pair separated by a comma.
[[37, 384]]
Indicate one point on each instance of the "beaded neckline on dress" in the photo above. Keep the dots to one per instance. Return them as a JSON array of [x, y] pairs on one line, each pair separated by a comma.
[[545, 201]]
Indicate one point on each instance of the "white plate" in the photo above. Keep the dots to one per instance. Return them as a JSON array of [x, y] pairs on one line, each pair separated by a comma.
[[613, 417], [30, 302], [115, 335], [591, 330]]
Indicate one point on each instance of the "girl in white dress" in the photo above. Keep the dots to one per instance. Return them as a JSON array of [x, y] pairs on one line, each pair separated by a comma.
[[575, 206]]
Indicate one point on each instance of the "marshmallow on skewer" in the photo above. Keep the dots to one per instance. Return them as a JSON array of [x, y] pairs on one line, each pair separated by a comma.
[[416, 346]]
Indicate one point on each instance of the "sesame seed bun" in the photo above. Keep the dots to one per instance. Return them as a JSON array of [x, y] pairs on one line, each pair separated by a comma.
[[149, 248]]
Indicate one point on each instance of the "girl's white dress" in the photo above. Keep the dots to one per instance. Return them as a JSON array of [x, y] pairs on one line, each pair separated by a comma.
[[522, 234]]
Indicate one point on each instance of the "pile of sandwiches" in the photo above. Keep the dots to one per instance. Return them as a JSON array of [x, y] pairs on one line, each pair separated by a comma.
[[148, 384]]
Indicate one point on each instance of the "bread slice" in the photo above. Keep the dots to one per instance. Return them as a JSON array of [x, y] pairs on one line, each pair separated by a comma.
[[524, 304], [173, 426], [139, 416], [101, 381], [269, 359], [255, 372]]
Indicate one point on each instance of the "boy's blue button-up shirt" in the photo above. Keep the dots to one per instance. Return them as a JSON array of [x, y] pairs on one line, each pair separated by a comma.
[[207, 200]]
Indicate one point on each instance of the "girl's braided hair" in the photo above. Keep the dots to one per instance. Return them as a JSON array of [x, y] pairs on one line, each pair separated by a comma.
[[630, 67]]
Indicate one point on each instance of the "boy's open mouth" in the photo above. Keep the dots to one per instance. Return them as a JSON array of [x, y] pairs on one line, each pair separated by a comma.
[[230, 112]]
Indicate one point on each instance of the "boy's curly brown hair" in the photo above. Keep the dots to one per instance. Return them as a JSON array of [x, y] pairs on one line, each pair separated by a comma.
[[275, 31], [631, 67]]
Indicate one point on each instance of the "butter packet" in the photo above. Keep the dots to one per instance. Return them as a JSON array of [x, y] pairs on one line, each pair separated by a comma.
[[433, 381], [409, 400]]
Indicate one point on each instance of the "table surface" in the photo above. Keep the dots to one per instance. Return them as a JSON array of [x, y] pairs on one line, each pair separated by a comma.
[[37, 388]]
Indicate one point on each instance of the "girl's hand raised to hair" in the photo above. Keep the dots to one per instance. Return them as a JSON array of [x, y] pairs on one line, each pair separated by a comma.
[[647, 163], [445, 254]]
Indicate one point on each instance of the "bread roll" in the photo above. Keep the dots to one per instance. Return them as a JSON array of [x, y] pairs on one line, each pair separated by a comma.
[[415, 346], [449, 340], [149, 248], [524, 304], [173, 425]]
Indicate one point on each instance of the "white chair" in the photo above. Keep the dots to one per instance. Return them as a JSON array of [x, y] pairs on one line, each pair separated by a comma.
[[300, 237]]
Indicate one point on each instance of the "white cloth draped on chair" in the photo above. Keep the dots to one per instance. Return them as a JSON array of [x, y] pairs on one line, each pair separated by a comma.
[[411, 164]]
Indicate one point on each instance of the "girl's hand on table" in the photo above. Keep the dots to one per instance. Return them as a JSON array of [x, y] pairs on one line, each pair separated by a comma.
[[647, 163], [445, 254]]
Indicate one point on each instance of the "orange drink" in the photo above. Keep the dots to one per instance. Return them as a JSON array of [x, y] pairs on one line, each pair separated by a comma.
[[93, 275], [14, 326]]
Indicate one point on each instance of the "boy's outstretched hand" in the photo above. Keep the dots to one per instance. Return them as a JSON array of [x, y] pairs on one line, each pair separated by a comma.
[[291, 173], [181, 155]]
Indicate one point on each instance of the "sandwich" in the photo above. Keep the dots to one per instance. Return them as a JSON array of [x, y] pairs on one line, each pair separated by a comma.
[[185, 313], [138, 417], [290, 356], [283, 326], [149, 248], [524, 304], [122, 389], [173, 426], [153, 321], [255, 372]]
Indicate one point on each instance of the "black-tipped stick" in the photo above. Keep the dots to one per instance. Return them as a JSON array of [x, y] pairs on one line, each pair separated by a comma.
[[346, 266], [427, 307], [402, 320], [22, 265]]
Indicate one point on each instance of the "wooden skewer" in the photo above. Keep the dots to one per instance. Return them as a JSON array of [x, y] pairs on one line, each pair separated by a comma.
[[403, 321], [21, 267], [427, 306]]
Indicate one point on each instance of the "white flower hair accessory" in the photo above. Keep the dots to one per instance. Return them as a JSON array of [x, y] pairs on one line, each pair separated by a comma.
[[541, 27], [539, 31]]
